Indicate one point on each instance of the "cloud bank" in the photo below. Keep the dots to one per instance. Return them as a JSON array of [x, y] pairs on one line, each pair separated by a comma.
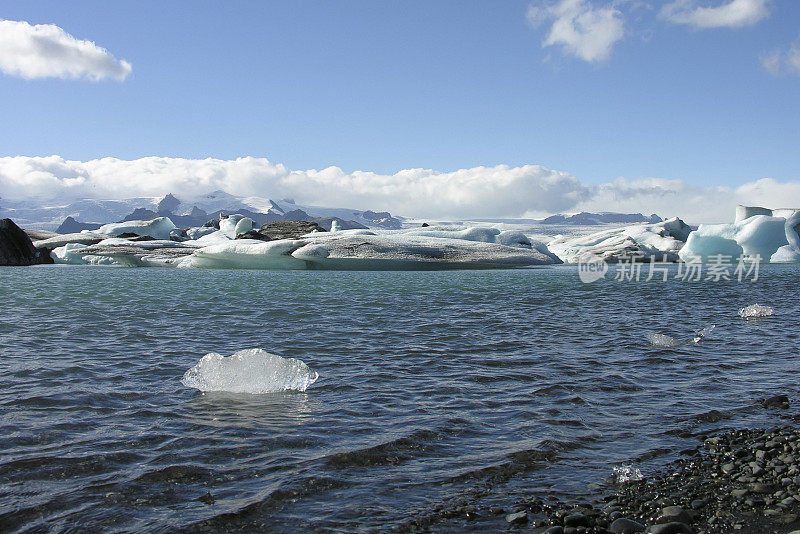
[[581, 30], [732, 14], [501, 191], [47, 51]]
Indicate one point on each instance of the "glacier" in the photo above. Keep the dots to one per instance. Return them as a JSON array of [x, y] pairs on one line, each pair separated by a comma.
[[253, 371], [661, 240], [770, 234]]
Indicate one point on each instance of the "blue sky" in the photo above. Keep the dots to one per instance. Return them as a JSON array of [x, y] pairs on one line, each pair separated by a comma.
[[446, 85]]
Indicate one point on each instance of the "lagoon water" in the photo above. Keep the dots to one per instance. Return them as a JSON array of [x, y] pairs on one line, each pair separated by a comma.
[[436, 389]]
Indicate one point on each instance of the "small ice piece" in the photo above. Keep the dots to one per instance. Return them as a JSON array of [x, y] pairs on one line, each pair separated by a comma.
[[663, 341], [627, 473], [252, 371], [703, 333], [755, 311]]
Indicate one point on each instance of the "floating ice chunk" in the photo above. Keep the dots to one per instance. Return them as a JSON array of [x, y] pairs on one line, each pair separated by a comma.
[[663, 341], [197, 233], [767, 236], [252, 371], [785, 254], [661, 240], [755, 311], [83, 238], [627, 473], [511, 238], [335, 226], [403, 251], [481, 234], [247, 254], [703, 333], [158, 228], [234, 225]]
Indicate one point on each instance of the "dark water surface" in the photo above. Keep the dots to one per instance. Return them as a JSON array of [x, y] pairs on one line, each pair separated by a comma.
[[434, 385]]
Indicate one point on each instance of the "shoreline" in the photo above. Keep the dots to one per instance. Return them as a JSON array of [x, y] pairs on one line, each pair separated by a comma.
[[734, 480]]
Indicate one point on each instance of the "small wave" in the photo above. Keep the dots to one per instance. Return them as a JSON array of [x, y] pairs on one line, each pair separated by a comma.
[[252, 371], [755, 311]]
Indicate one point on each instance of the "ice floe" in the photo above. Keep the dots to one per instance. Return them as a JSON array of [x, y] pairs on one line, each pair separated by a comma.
[[254, 371], [410, 249], [771, 235], [755, 311], [663, 341], [661, 241], [158, 228]]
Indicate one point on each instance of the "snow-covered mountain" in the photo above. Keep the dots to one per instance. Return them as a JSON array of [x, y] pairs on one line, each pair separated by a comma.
[[187, 211]]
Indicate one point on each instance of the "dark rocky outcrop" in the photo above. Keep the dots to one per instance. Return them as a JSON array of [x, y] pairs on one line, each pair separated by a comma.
[[16, 247], [71, 226], [282, 230]]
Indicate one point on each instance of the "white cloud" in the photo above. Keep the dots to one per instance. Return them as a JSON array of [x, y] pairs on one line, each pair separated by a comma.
[[47, 51], [586, 32], [500, 191], [783, 63], [731, 14], [480, 191]]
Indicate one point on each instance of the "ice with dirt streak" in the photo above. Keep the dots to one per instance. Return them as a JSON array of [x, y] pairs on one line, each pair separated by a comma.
[[253, 371]]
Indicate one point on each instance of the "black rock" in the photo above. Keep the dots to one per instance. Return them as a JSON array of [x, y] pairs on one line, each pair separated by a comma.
[[207, 498], [623, 525], [282, 230], [554, 530], [425, 225], [674, 514], [16, 247], [671, 528], [576, 520], [778, 401]]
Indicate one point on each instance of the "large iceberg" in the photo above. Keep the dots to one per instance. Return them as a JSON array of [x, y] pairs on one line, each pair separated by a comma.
[[661, 241], [158, 228], [230, 247], [770, 234], [252, 371]]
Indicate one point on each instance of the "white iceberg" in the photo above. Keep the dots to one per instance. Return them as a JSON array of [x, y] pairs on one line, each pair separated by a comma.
[[158, 228], [661, 241], [235, 225], [246, 254], [771, 235], [371, 250], [755, 311], [252, 371]]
